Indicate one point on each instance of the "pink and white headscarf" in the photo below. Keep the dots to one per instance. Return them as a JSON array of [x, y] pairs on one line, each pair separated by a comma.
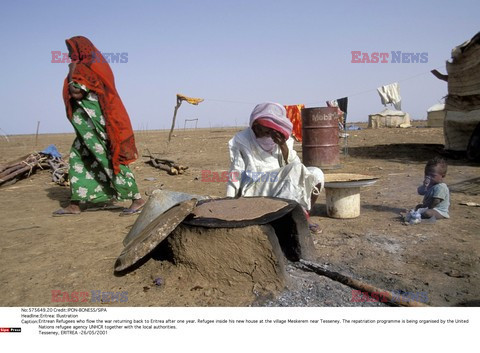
[[274, 116]]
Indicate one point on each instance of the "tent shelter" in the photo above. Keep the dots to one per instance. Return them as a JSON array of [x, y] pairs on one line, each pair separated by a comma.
[[436, 115], [462, 104], [389, 118]]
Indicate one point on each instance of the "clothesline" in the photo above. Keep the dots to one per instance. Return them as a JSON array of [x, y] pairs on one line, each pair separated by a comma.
[[227, 101], [311, 103], [375, 89]]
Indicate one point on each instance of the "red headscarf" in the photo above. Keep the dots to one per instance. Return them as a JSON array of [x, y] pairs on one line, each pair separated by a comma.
[[93, 71]]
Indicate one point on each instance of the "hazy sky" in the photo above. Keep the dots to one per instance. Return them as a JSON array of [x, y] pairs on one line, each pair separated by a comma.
[[234, 54]]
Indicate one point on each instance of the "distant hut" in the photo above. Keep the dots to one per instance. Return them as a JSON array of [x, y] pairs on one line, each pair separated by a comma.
[[436, 115], [389, 118]]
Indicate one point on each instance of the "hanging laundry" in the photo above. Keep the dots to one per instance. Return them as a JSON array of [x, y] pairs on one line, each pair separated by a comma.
[[332, 103], [342, 104], [391, 94], [294, 114]]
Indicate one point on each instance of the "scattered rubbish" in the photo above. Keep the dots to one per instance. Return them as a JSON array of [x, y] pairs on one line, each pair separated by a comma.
[[455, 274], [470, 204], [396, 273], [354, 128], [149, 190], [415, 217], [150, 179], [158, 281]]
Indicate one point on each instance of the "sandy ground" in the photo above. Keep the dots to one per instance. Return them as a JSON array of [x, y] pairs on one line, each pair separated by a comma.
[[40, 253]]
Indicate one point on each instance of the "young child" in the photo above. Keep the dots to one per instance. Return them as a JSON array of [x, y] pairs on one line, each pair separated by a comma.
[[436, 194]]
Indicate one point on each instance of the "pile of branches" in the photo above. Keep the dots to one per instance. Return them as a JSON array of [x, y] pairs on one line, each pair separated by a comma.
[[171, 167], [13, 171], [59, 169]]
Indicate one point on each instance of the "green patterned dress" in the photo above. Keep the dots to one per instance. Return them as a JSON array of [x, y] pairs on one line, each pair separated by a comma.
[[91, 172]]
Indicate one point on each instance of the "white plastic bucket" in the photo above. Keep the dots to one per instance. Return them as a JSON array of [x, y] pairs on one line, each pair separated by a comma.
[[343, 202]]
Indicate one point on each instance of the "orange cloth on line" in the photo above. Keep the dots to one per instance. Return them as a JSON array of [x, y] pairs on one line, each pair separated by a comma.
[[294, 114], [93, 71]]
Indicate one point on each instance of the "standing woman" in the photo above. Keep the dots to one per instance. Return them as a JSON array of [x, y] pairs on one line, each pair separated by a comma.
[[104, 145]]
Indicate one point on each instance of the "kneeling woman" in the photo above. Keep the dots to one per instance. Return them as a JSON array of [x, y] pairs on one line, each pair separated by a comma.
[[264, 163]]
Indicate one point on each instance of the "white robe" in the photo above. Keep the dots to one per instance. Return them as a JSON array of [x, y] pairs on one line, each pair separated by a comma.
[[267, 174]]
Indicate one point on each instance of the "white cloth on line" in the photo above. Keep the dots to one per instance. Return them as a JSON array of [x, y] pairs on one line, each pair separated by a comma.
[[332, 103], [391, 94]]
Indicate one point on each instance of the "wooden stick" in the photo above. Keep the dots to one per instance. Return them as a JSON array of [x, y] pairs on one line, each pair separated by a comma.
[[161, 166], [439, 75], [5, 135], [14, 174], [179, 102], [179, 167], [164, 161], [29, 164], [16, 161], [353, 283], [36, 135], [11, 169]]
